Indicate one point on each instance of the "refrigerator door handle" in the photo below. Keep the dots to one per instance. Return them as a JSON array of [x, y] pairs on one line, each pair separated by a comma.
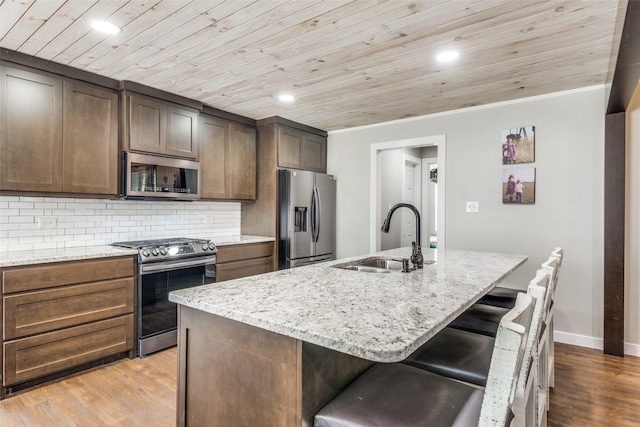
[[314, 211], [318, 207]]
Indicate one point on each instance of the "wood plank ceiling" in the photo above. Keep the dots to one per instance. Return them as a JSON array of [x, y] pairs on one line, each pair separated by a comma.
[[348, 62]]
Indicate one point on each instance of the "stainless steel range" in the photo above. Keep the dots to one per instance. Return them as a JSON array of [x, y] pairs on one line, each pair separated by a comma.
[[163, 266]]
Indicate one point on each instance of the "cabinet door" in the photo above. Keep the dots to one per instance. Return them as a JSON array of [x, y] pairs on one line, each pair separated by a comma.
[[289, 147], [241, 162], [314, 153], [30, 131], [40, 355], [214, 138], [182, 132], [90, 139], [147, 124]]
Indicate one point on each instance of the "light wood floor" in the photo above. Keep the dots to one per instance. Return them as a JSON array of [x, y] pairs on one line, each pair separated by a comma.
[[591, 390]]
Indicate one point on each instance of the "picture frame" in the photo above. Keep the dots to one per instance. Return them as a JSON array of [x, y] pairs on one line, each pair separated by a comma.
[[519, 186], [518, 145]]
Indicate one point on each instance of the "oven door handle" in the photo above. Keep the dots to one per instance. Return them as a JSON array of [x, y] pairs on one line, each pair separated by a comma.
[[162, 267]]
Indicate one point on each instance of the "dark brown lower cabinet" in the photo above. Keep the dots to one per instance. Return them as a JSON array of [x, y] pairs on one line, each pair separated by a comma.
[[40, 355], [242, 260], [58, 317]]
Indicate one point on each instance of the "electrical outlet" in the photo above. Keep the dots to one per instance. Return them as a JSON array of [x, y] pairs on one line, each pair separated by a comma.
[[46, 223], [472, 207]]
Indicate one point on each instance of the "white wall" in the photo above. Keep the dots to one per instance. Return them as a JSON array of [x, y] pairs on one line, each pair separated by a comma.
[[88, 222], [632, 259], [569, 196]]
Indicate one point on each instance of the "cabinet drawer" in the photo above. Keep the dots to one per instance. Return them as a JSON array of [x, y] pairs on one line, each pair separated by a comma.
[[237, 269], [244, 251], [30, 278], [43, 311], [29, 358]]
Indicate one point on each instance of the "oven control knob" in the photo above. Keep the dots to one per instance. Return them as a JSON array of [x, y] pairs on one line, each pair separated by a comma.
[[205, 247], [212, 246], [154, 252], [163, 251], [145, 252]]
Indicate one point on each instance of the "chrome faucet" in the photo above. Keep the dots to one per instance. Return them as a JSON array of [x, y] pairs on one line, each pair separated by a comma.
[[416, 254]]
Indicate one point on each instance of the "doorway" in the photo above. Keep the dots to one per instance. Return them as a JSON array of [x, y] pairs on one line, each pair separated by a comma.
[[376, 205]]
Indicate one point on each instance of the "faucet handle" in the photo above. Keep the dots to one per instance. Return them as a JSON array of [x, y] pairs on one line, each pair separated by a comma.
[[405, 265]]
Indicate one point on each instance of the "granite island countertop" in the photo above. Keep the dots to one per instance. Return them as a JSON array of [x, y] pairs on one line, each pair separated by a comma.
[[379, 317]]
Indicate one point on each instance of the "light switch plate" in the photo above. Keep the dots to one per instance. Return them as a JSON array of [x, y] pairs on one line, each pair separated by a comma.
[[472, 207]]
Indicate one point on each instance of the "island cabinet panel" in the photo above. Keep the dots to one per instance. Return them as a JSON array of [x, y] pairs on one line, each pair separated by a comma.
[[90, 139], [235, 261], [30, 131], [231, 373], [58, 318], [40, 355], [227, 159], [160, 127]]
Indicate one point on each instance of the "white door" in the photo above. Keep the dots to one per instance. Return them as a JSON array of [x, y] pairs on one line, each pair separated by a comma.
[[411, 190]]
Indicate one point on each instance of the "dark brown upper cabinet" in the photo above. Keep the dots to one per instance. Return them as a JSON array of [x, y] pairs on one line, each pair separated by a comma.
[[58, 135], [90, 142], [31, 131], [160, 127], [299, 149], [227, 159]]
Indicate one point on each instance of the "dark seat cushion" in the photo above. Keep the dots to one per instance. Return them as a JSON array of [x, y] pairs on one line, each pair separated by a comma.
[[501, 297], [394, 394], [480, 319], [457, 354]]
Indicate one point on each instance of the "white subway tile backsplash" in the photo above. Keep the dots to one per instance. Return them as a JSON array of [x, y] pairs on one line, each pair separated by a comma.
[[88, 222]]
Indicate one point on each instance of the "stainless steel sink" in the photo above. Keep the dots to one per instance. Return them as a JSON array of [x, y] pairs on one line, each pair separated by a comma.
[[383, 263], [375, 265]]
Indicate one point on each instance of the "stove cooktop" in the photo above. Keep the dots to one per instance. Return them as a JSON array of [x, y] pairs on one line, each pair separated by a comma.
[[156, 243], [170, 248]]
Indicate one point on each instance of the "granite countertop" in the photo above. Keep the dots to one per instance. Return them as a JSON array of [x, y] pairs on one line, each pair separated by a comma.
[[380, 317], [42, 256], [241, 240]]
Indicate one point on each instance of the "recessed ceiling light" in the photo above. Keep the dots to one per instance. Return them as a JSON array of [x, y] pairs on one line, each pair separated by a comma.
[[105, 27], [447, 56], [286, 97]]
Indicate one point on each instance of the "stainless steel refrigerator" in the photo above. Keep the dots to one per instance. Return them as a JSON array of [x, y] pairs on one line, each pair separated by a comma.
[[306, 217]]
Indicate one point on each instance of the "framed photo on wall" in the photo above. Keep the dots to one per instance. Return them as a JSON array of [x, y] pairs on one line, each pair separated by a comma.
[[519, 186], [518, 145]]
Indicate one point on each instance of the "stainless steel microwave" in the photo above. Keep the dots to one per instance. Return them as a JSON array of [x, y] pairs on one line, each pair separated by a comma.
[[145, 176]]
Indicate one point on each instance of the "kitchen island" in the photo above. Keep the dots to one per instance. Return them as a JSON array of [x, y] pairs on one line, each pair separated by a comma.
[[273, 349]]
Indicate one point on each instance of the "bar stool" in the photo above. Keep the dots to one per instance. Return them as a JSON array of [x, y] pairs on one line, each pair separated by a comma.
[[395, 394], [466, 356], [506, 297], [484, 319]]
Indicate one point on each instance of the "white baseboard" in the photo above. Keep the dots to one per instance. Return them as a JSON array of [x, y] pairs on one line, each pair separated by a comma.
[[579, 340], [592, 342], [632, 349]]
